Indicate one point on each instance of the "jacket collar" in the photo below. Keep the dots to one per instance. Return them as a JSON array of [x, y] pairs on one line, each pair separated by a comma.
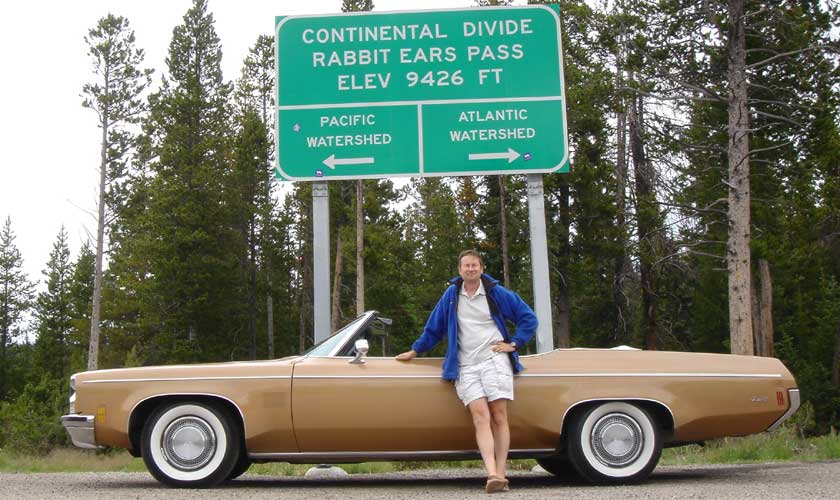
[[489, 281]]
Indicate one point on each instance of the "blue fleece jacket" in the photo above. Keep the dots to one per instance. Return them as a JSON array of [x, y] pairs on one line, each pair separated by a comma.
[[504, 305]]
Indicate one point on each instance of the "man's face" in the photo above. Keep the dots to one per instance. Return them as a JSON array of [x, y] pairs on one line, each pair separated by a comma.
[[470, 268]]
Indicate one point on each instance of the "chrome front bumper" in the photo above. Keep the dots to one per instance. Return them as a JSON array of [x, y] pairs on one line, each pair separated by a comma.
[[793, 397], [81, 430]]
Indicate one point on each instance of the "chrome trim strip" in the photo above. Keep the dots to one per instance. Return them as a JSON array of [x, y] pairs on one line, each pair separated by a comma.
[[81, 430], [793, 397], [322, 377], [353, 456], [524, 375], [680, 375], [560, 375], [187, 379], [578, 403]]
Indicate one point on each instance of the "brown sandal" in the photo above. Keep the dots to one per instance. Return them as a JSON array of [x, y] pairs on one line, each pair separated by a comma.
[[496, 484]]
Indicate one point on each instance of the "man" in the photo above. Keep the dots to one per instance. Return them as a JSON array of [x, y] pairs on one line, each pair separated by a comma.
[[480, 354]]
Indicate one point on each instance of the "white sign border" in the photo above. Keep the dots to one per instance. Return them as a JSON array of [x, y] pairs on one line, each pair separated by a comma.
[[421, 173]]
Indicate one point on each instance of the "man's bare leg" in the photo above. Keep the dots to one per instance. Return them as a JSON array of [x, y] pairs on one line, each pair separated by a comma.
[[484, 434], [501, 434]]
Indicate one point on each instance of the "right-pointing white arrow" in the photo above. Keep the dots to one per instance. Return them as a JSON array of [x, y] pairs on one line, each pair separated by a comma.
[[511, 155]]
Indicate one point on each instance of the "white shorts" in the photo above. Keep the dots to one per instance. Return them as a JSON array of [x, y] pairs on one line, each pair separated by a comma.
[[491, 379]]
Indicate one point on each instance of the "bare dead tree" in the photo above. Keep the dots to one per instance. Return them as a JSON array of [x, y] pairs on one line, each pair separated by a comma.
[[738, 256]]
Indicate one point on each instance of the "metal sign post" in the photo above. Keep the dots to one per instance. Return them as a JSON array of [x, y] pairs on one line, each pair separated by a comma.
[[321, 261], [539, 263]]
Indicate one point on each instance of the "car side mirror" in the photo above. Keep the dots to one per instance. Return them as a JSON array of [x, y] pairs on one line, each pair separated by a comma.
[[361, 351]]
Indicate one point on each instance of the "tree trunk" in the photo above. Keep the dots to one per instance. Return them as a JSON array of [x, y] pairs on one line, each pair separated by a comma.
[[504, 228], [622, 265], [252, 289], [563, 321], [304, 302], [4, 341], [766, 310], [304, 273], [269, 309], [738, 245], [755, 308], [360, 242], [835, 368], [336, 292], [646, 216], [96, 312]]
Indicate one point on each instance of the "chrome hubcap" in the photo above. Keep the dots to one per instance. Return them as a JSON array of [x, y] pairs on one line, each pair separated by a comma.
[[616, 440], [188, 443]]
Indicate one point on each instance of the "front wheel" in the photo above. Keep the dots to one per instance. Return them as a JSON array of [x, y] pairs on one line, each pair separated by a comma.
[[560, 467], [614, 443], [190, 445]]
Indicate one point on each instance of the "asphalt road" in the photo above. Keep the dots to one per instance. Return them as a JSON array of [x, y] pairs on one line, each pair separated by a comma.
[[736, 482]]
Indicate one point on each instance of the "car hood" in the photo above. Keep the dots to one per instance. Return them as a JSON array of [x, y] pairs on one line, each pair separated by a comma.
[[226, 369]]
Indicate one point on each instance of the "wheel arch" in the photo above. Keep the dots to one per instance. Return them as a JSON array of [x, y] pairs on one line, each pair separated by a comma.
[[661, 412], [145, 407]]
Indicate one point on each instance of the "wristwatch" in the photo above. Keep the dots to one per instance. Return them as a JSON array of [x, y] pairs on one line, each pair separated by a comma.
[[513, 344]]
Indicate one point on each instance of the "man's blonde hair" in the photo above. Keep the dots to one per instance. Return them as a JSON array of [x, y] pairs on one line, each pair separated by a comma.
[[472, 253]]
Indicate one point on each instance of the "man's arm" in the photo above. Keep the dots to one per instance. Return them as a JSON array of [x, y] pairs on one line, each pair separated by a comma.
[[518, 311], [433, 332]]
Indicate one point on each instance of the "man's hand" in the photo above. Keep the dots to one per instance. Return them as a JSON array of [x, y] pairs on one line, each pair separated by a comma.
[[406, 356], [500, 346]]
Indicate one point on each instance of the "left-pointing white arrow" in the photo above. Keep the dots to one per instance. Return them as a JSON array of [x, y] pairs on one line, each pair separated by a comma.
[[332, 161], [510, 156]]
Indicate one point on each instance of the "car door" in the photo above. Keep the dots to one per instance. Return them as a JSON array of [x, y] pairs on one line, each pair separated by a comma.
[[379, 405]]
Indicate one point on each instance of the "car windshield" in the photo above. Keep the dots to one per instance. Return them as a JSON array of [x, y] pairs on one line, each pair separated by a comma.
[[328, 345]]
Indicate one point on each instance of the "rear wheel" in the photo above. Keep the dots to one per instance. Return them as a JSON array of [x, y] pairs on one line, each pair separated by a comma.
[[191, 445], [242, 465], [615, 442]]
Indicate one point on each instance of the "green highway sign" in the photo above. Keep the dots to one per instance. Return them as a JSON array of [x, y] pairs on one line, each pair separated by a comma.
[[452, 92]]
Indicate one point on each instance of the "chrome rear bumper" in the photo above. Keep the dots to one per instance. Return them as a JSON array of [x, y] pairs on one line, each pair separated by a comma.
[[81, 430], [793, 397]]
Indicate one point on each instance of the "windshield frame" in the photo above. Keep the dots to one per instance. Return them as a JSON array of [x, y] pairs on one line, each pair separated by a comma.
[[332, 345]]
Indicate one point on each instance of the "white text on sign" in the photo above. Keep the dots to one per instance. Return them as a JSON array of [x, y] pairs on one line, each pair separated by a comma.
[[372, 57]]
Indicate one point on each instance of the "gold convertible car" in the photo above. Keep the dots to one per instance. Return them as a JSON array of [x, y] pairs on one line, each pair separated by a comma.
[[603, 414]]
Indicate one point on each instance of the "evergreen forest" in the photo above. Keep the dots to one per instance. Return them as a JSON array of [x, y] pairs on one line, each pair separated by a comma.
[[701, 211]]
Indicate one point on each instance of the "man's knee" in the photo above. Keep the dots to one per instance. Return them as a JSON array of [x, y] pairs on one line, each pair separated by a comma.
[[498, 414], [480, 413]]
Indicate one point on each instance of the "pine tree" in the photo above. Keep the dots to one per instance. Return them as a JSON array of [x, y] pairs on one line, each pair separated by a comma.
[[255, 87], [16, 294], [82, 286], [53, 313], [255, 91], [115, 97], [356, 5], [248, 186], [185, 235]]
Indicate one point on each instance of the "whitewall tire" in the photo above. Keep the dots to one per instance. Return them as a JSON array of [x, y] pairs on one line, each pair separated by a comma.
[[190, 445], [615, 442]]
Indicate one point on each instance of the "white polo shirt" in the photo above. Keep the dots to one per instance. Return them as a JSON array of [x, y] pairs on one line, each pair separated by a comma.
[[476, 329]]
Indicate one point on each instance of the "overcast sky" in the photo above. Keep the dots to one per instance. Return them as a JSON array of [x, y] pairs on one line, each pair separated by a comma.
[[50, 144]]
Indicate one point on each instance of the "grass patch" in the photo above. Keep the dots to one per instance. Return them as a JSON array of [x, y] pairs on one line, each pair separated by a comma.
[[71, 460], [779, 446], [283, 469]]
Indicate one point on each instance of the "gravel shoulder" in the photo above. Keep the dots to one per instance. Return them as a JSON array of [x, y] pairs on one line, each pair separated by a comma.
[[737, 482]]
